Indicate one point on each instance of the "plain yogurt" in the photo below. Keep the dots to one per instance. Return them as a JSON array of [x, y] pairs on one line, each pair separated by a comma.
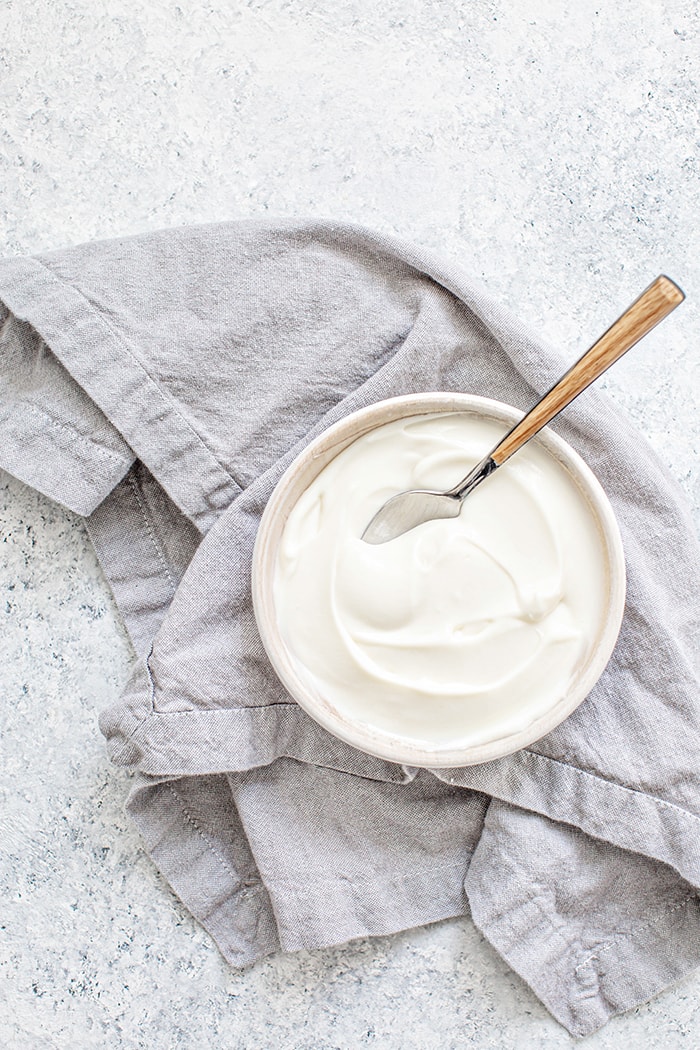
[[464, 630]]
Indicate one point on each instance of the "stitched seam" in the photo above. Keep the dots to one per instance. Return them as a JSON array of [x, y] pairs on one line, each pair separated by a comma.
[[102, 320], [152, 693], [246, 884], [214, 710], [151, 532], [29, 408], [668, 910], [123, 744], [264, 707], [595, 955], [362, 877], [547, 916], [153, 711], [612, 784]]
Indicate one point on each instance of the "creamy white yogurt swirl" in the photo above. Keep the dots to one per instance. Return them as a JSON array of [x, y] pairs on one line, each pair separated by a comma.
[[461, 631]]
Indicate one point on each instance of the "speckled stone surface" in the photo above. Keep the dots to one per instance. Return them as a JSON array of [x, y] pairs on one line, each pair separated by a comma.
[[554, 148]]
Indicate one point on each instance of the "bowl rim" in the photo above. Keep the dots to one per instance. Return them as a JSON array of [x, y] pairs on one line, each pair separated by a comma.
[[314, 457]]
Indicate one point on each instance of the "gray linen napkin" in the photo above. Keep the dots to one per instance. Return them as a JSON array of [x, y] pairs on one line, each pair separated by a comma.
[[160, 385]]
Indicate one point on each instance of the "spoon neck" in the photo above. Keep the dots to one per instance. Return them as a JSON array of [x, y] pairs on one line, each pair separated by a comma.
[[480, 472]]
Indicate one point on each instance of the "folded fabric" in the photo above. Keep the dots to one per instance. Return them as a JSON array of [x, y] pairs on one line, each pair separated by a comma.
[[160, 385]]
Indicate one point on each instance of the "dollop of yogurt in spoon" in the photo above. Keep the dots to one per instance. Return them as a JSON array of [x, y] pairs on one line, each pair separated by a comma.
[[462, 630]]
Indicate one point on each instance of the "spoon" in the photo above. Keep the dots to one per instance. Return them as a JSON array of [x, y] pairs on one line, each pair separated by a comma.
[[408, 509]]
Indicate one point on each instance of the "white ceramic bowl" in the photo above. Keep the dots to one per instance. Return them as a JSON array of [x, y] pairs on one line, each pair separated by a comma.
[[303, 471]]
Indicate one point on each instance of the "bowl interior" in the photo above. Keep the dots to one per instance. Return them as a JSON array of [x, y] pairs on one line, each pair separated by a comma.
[[306, 468]]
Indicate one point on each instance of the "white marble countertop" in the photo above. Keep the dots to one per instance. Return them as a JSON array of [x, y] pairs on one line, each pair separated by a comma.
[[553, 147]]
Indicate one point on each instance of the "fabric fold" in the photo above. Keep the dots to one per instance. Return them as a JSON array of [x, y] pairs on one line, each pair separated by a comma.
[[96, 354], [137, 521], [594, 930], [627, 817], [53, 437], [193, 833]]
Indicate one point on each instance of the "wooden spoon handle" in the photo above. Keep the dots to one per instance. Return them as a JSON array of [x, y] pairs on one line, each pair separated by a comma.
[[652, 306]]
